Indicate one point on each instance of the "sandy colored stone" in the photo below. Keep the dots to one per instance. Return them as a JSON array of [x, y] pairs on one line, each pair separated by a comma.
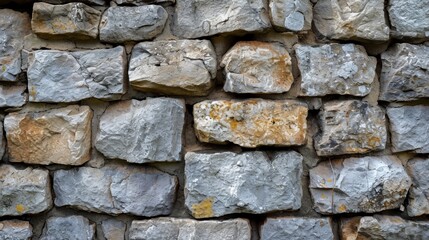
[[291, 15], [297, 228], [15, 230], [47, 136], [418, 196], [251, 123]]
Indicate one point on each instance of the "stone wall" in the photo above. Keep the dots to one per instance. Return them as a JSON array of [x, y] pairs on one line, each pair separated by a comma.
[[214, 119]]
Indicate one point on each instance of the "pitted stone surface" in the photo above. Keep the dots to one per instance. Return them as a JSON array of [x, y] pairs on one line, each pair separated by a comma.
[[72, 227], [13, 95], [123, 24], [343, 69], [291, 15], [224, 183], [409, 19], [200, 18], [361, 20], [46, 136], [59, 76], [367, 184], [113, 229], [251, 123], [418, 196], [15, 230], [116, 189], [14, 26], [69, 21], [350, 127], [177, 67], [26, 191], [297, 228], [409, 128], [405, 72], [257, 67], [143, 131], [184, 229]]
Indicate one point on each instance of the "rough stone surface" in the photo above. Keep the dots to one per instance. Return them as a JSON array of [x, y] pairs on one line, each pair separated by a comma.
[[142, 2], [361, 20], [14, 26], [409, 128], [113, 229], [409, 18], [251, 123], [418, 196], [297, 228], [13, 95], [291, 15], [122, 24], [2, 139], [367, 184], [178, 67], [46, 136], [343, 69], [257, 67], [184, 229], [405, 72], [200, 18], [15, 230], [90, 2], [350, 127], [143, 131], [383, 227], [73, 20], [72, 228], [116, 189], [24, 191], [224, 183], [58, 76]]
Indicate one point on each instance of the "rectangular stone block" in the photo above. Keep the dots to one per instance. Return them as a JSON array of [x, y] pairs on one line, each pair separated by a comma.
[[70, 227], [418, 196], [15, 230], [225, 183], [297, 228], [291, 15], [251, 123]]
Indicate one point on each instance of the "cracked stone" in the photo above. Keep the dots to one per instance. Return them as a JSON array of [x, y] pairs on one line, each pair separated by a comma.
[[350, 127], [405, 73], [297, 228], [343, 69], [418, 199], [72, 227], [225, 183], [195, 18], [252, 122], [113, 229], [257, 67], [291, 15], [70, 21], [177, 67], [15, 230], [116, 189], [353, 185], [59, 76], [183, 229], [13, 95], [47, 136], [409, 19], [26, 191], [143, 131], [123, 24]]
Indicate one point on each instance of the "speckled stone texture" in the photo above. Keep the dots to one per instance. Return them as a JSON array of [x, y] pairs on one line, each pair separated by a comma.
[[297, 228]]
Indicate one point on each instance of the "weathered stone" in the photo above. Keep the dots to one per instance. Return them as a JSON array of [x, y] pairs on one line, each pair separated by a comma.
[[72, 227], [183, 229], [24, 191], [224, 183], [46, 136], [2, 140], [13, 95], [143, 131], [181, 67], [113, 229], [251, 123], [418, 196], [122, 24], [405, 72], [367, 184], [199, 18], [361, 20], [142, 2], [90, 2], [116, 189], [291, 15], [57, 76], [33, 42], [74, 20], [15, 230], [350, 127], [409, 128], [383, 227], [343, 69], [14, 26], [297, 228], [257, 67], [409, 18]]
